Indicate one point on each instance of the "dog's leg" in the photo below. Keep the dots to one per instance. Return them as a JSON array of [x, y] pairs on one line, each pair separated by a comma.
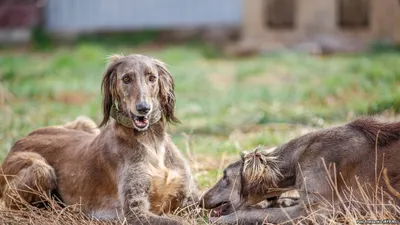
[[261, 216], [133, 194], [26, 178], [174, 159]]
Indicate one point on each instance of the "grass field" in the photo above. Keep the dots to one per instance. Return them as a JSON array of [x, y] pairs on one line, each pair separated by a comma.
[[226, 105]]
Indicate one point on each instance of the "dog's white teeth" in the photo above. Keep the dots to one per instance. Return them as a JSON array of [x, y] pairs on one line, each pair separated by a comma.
[[141, 123]]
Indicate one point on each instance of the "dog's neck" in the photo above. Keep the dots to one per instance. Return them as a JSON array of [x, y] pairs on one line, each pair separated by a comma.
[[156, 131], [287, 157], [128, 143], [123, 128]]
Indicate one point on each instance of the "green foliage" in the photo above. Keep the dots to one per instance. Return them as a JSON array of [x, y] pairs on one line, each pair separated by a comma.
[[208, 51], [391, 103], [40, 39]]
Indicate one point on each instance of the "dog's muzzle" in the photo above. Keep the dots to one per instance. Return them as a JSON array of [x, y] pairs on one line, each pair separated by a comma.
[[140, 122]]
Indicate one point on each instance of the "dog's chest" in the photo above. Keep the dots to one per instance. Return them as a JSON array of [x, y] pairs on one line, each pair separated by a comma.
[[167, 184]]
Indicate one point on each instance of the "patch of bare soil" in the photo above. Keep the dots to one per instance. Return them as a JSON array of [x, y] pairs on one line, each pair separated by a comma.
[[277, 77], [223, 75], [73, 98]]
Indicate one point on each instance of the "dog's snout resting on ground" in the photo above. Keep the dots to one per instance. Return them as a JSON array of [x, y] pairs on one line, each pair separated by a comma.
[[330, 166], [129, 166]]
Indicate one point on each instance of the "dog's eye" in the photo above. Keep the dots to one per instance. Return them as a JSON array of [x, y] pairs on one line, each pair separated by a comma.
[[126, 79], [152, 78]]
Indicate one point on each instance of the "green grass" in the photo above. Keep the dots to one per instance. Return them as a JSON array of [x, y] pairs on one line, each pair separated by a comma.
[[225, 104]]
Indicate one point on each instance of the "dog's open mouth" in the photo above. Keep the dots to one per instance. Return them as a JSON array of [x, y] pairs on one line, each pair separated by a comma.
[[219, 210], [140, 122]]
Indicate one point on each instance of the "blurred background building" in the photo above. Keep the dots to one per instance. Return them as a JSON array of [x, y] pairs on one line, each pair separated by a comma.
[[17, 18], [328, 25], [310, 25]]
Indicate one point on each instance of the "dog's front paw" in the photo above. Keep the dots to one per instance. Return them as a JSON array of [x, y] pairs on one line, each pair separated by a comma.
[[287, 202]]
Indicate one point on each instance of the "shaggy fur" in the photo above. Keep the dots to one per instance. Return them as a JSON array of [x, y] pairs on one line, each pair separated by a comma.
[[84, 124], [361, 157], [259, 172], [133, 169]]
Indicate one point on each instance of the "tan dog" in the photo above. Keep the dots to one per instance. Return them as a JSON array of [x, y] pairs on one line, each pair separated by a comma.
[[130, 167]]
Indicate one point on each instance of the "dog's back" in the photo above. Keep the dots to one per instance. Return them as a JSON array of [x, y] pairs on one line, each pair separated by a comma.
[[381, 134], [83, 123], [362, 148], [34, 160]]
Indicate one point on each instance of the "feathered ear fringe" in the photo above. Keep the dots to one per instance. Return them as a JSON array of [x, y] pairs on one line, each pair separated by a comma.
[[259, 171], [167, 93], [108, 86]]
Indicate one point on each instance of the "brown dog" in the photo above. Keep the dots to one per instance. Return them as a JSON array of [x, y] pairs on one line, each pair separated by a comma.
[[348, 157], [131, 167]]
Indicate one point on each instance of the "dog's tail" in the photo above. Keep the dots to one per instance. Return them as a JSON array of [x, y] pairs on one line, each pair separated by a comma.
[[379, 133], [83, 123]]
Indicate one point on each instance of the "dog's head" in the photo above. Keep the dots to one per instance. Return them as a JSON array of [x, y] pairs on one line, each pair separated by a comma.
[[245, 182], [140, 88]]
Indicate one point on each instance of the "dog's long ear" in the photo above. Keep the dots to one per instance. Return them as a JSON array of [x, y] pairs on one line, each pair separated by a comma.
[[166, 93], [108, 87], [259, 171]]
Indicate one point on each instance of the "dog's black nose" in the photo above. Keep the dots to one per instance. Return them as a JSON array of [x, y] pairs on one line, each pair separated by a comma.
[[143, 107]]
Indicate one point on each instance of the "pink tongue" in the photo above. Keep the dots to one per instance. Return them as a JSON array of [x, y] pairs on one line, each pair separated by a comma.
[[217, 212], [141, 123]]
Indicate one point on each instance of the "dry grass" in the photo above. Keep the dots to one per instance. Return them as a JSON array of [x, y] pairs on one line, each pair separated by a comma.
[[51, 211], [51, 214], [364, 205], [347, 210]]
